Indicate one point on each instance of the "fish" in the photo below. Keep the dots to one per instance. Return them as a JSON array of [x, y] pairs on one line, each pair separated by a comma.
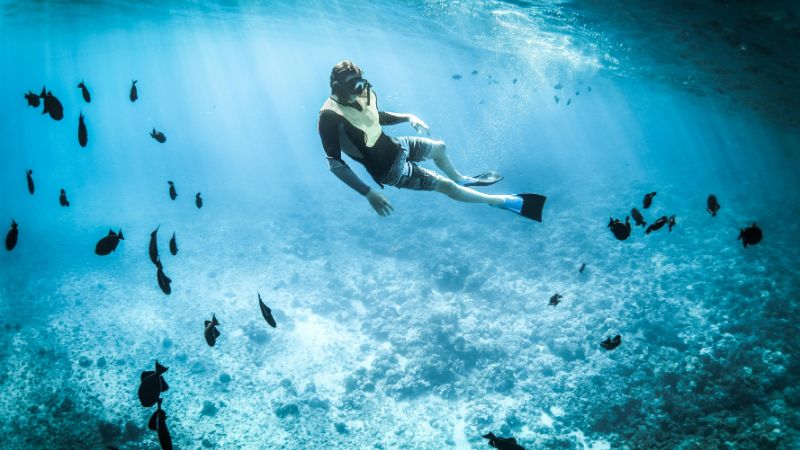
[[266, 312], [475, 72], [637, 216], [29, 176], [456, 77], [164, 282], [611, 344], [648, 199], [211, 333], [751, 235], [569, 101], [172, 193], [555, 97], [159, 136], [12, 236], [62, 199], [514, 81], [82, 135], [152, 385], [158, 423], [589, 88], [33, 99], [198, 201], [52, 105], [621, 230], [557, 86], [712, 206], [502, 443], [173, 246], [153, 248], [108, 243], [555, 299], [660, 222], [671, 222], [134, 92], [583, 267], [85, 92]]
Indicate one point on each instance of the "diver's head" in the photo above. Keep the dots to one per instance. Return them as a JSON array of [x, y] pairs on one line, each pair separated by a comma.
[[347, 81]]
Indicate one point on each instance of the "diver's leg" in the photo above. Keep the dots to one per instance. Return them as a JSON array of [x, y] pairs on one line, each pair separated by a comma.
[[467, 195], [438, 153]]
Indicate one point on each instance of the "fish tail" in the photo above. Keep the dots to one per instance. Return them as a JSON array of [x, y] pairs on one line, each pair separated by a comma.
[[120, 234]]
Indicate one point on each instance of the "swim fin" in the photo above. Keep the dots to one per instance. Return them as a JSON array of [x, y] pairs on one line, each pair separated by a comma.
[[526, 205], [484, 179]]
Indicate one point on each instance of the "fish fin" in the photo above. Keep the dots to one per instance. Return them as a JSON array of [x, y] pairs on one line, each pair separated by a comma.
[[44, 92], [164, 385], [216, 333], [120, 234], [489, 435], [146, 374], [151, 424], [160, 369], [111, 233], [214, 319]]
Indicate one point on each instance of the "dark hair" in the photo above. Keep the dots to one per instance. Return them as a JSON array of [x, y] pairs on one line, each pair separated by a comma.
[[339, 73]]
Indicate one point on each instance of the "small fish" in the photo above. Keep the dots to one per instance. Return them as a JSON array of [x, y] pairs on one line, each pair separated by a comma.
[[153, 248], [637, 216], [85, 92], [712, 206], [569, 101], [33, 99], [164, 282], [671, 222], [514, 81], [555, 299], [134, 91], [583, 267], [158, 423], [152, 385], [173, 246], [589, 88], [456, 77], [648, 199], [62, 199], [621, 230], [475, 72], [159, 136], [266, 312], [108, 243], [52, 105], [172, 193], [660, 222], [502, 443], [82, 135], [211, 333], [611, 344], [29, 176], [12, 236], [198, 201], [557, 86], [577, 93], [555, 97], [751, 235]]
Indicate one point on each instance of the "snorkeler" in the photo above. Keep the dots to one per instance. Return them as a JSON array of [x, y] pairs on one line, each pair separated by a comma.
[[350, 121]]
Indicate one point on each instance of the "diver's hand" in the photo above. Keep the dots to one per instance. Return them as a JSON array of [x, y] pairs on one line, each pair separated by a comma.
[[417, 123], [379, 202]]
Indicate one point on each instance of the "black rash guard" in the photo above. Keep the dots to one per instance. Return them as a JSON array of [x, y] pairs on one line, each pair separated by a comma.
[[377, 160]]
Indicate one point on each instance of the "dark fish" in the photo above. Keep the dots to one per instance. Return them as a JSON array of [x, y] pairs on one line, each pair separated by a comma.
[[158, 423], [475, 72], [198, 201], [751, 235], [266, 312], [555, 299], [514, 81], [29, 175], [637, 216], [557, 86], [85, 92], [502, 443], [109, 243], [159, 136], [62, 199], [657, 224], [611, 344], [621, 230], [134, 92], [163, 280], [172, 193], [671, 222], [589, 88], [52, 105], [82, 135], [648, 200], [211, 333], [583, 267], [153, 248], [456, 77], [152, 385], [12, 236], [173, 246], [569, 100], [577, 92], [33, 99], [712, 206], [555, 97]]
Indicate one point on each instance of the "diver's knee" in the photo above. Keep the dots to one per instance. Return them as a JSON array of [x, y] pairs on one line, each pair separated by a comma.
[[438, 149], [446, 186]]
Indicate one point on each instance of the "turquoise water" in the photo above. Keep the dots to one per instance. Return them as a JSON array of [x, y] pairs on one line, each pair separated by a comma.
[[428, 328]]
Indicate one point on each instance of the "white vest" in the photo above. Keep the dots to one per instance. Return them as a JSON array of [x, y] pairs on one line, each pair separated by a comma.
[[365, 120]]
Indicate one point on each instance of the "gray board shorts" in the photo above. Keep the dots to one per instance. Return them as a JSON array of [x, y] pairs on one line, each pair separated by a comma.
[[405, 173]]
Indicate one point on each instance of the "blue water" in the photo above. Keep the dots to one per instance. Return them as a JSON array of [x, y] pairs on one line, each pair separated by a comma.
[[428, 328]]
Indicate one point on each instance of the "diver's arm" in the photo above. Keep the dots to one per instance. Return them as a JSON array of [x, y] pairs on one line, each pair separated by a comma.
[[329, 134], [346, 174], [390, 118]]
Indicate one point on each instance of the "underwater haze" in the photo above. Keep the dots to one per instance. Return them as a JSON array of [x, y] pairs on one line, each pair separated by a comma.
[[429, 328]]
